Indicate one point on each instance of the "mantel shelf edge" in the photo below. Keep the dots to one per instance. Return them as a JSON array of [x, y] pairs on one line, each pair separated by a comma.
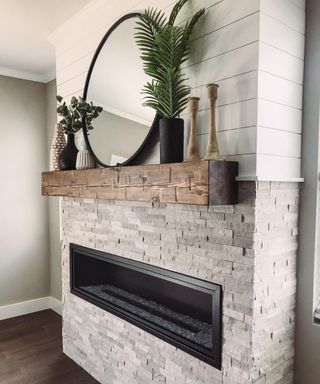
[[196, 183]]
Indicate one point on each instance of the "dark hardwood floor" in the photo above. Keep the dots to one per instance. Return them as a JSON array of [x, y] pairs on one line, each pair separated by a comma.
[[31, 352]]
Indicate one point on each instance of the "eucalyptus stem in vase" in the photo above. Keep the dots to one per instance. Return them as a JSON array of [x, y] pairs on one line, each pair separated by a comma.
[[164, 47], [79, 114]]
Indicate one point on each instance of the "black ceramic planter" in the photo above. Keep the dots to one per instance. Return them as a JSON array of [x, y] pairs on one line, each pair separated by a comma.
[[171, 140], [68, 157]]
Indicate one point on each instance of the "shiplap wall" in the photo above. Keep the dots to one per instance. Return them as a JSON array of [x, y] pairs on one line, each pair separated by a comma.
[[253, 49], [280, 87]]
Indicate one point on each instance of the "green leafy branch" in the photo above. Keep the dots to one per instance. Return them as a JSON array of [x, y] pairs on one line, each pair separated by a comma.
[[78, 114]]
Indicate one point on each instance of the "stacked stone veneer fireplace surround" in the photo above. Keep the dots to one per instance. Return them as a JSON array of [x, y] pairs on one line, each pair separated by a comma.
[[250, 249]]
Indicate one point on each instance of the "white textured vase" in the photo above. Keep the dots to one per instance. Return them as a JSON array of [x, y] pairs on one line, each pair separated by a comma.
[[84, 158], [57, 146]]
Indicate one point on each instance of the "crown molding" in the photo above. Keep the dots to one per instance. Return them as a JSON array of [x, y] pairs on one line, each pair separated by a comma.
[[39, 78], [49, 76]]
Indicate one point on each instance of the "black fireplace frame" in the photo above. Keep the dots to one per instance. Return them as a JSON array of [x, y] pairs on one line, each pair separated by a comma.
[[211, 357]]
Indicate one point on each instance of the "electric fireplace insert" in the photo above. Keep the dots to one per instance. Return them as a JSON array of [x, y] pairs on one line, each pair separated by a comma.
[[182, 310]]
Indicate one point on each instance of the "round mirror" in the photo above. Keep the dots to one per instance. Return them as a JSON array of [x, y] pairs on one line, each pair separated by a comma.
[[115, 79]]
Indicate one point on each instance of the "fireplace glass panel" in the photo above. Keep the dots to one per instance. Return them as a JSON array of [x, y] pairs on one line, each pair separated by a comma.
[[178, 308]]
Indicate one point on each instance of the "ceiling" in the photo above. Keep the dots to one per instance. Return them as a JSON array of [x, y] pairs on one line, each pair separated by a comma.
[[24, 28]]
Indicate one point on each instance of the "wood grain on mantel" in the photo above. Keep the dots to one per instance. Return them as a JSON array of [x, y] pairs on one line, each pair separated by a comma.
[[198, 183]]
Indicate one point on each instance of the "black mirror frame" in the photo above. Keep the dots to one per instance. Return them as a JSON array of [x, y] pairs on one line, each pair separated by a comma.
[[151, 139]]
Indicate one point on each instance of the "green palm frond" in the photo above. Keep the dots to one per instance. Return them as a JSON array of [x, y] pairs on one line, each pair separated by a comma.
[[164, 48], [149, 24], [189, 27], [175, 11]]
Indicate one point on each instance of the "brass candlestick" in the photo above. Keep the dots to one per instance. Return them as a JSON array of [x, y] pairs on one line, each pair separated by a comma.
[[193, 153], [212, 152]]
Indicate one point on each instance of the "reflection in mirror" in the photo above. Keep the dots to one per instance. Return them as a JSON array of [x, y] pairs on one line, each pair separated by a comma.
[[115, 83]]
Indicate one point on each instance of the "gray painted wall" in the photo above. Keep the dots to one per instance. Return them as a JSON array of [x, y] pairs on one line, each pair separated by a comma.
[[53, 202], [24, 266], [307, 367]]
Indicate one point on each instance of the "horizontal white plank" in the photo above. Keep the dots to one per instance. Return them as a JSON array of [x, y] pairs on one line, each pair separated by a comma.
[[247, 164], [273, 115], [280, 36], [231, 90], [280, 63], [85, 48], [222, 14], [72, 85], [299, 3], [204, 4], [286, 12], [235, 35], [237, 115], [282, 179], [225, 66], [228, 117], [277, 167], [75, 69], [234, 142], [280, 91], [238, 141], [67, 98], [280, 143]]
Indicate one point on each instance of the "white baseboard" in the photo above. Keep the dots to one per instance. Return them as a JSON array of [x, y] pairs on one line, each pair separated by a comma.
[[55, 305], [31, 306]]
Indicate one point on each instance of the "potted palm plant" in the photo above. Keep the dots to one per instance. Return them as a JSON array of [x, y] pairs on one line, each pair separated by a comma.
[[164, 47], [74, 117]]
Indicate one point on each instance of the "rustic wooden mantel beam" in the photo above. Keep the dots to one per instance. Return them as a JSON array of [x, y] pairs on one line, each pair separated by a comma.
[[198, 183]]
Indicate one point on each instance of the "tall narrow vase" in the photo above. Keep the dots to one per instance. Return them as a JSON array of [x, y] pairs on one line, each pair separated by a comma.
[[68, 157], [57, 146], [212, 152], [193, 153]]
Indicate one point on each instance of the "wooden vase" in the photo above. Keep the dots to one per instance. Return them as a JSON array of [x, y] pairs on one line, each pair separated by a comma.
[[57, 146], [193, 153], [212, 152]]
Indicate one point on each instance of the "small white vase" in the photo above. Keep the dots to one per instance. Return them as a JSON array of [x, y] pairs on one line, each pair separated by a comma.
[[84, 158]]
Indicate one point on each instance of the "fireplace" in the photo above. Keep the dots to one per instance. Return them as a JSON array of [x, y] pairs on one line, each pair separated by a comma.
[[182, 310]]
